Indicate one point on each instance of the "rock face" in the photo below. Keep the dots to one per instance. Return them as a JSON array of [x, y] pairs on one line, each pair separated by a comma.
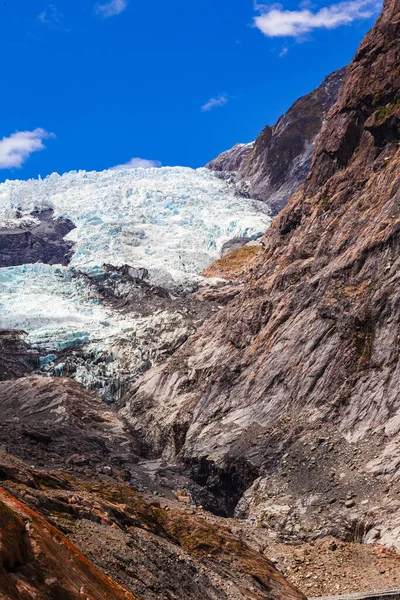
[[16, 357], [274, 166], [37, 561], [230, 160], [39, 240], [294, 385]]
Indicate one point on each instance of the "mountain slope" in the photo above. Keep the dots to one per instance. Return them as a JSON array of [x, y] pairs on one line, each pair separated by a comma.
[[37, 561], [157, 552], [274, 166], [293, 387]]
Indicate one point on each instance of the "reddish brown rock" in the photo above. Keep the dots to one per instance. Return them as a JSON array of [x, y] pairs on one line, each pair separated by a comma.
[[37, 561], [310, 348], [156, 553]]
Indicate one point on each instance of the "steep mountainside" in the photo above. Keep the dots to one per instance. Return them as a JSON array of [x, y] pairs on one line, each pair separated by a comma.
[[285, 405], [274, 166]]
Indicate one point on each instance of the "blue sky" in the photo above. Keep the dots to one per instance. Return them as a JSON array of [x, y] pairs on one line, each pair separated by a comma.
[[91, 86]]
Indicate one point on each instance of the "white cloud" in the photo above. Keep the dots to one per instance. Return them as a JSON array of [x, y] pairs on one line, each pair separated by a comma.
[[52, 18], [284, 51], [137, 163], [274, 21], [17, 148], [220, 100], [112, 8]]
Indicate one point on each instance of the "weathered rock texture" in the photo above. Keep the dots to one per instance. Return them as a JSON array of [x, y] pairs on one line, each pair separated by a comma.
[[37, 561], [56, 421], [16, 357], [294, 385], [156, 553], [230, 160], [276, 164], [39, 241]]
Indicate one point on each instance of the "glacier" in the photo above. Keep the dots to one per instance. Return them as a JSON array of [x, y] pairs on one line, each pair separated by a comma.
[[170, 221]]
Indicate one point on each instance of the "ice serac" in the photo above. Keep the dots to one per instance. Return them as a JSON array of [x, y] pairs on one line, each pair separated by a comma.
[[272, 168], [294, 385], [171, 221]]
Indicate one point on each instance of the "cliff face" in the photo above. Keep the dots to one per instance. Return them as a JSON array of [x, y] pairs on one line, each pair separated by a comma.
[[294, 385], [274, 166]]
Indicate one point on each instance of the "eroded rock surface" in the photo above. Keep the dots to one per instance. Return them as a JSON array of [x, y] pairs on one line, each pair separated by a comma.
[[293, 387], [155, 552], [56, 421], [37, 560]]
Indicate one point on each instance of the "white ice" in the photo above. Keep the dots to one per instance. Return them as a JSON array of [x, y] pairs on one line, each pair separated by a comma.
[[172, 221]]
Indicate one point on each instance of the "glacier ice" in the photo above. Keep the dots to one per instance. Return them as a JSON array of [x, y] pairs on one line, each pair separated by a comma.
[[171, 221]]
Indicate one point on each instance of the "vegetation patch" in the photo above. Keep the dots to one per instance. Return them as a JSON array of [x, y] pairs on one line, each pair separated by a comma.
[[233, 265], [384, 112]]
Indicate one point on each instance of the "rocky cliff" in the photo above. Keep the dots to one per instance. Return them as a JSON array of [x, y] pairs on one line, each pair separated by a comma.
[[273, 167], [285, 405]]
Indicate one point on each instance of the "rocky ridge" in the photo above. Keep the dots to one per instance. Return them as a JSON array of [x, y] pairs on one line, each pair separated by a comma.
[[289, 395], [273, 167]]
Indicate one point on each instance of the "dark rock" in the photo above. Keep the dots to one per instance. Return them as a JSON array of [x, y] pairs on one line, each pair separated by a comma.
[[43, 242], [274, 166], [16, 357], [230, 160]]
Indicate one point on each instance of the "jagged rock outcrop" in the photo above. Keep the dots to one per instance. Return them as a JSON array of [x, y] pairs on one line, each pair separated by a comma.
[[273, 167], [294, 385], [230, 160], [40, 239]]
